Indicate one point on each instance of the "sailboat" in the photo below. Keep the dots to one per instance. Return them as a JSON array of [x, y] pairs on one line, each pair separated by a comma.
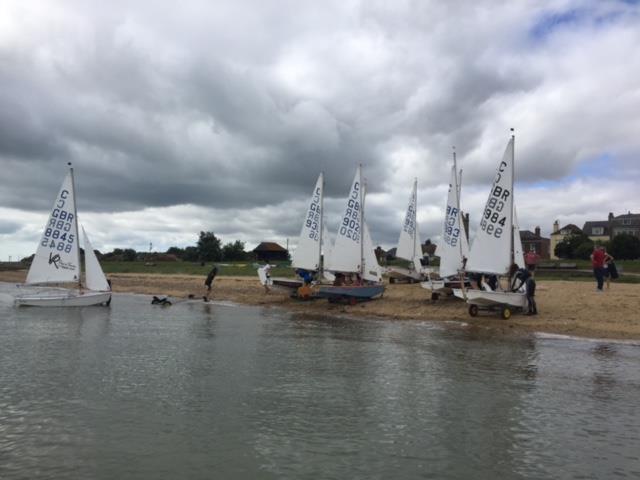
[[312, 243], [454, 248], [353, 253], [409, 245], [57, 260], [495, 246]]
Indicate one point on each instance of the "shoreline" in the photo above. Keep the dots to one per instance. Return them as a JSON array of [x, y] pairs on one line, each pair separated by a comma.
[[566, 308]]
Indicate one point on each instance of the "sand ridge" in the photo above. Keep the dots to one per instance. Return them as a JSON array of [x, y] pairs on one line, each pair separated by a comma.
[[569, 308]]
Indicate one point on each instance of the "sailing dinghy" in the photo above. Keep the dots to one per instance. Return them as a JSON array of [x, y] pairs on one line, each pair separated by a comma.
[[353, 254], [409, 245], [454, 247], [495, 246], [57, 260], [312, 243]]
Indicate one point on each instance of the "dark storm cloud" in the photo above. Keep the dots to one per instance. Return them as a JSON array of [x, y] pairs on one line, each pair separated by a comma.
[[237, 107]]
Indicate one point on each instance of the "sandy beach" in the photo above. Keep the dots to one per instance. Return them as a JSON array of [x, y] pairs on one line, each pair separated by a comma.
[[568, 308]]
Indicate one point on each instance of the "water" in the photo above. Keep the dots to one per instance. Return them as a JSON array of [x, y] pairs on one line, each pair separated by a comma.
[[221, 391]]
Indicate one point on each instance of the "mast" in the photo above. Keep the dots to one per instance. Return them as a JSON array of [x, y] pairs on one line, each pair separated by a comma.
[[513, 202], [75, 217], [320, 262], [457, 187], [415, 216], [362, 197]]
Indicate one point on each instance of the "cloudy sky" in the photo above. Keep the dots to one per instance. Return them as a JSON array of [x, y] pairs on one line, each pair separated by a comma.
[[219, 115]]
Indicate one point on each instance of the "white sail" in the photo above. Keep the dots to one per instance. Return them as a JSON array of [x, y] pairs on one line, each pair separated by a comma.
[[371, 270], [518, 253], [346, 254], [491, 249], [307, 255], [56, 259], [94, 276], [454, 247], [409, 245]]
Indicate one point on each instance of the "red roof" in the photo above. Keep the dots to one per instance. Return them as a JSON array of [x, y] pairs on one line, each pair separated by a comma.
[[269, 247]]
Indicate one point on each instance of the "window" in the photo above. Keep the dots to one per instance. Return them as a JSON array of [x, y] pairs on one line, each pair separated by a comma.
[[532, 248], [626, 221], [597, 231]]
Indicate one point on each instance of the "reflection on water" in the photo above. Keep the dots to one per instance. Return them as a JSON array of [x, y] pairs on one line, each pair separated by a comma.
[[215, 391]]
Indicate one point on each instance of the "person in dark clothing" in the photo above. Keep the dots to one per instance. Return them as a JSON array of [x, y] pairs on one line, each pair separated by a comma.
[[209, 281], [306, 275], [160, 301], [530, 291], [524, 277], [108, 302], [475, 280], [492, 281]]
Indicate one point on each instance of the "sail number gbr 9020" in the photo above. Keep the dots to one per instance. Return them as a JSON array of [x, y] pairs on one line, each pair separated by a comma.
[[494, 217], [350, 227], [57, 236]]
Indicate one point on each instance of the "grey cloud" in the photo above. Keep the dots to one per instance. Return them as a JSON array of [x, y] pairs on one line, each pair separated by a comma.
[[236, 108]]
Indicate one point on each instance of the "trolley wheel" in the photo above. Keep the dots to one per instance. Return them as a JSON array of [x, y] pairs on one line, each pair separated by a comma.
[[473, 310], [392, 280], [435, 297], [505, 312], [353, 301]]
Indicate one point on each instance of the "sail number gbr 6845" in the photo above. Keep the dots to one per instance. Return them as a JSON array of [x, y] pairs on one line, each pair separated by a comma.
[[494, 217]]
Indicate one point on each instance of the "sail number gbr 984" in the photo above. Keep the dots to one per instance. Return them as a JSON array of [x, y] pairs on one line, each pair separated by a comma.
[[495, 215], [56, 235]]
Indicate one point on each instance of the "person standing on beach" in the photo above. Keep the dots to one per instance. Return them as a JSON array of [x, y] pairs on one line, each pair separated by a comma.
[[531, 260], [597, 262], [610, 270], [209, 281]]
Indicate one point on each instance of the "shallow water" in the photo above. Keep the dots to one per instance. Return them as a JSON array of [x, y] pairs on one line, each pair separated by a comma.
[[220, 391]]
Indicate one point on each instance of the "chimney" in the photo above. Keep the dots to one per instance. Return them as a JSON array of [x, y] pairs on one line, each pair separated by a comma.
[[610, 216], [537, 230], [556, 227]]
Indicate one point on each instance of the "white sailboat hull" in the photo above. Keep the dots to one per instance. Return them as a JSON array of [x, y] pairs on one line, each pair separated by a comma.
[[63, 298], [485, 298], [399, 273]]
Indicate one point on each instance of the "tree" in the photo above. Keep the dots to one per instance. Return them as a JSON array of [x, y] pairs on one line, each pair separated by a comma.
[[573, 245], [234, 251], [191, 254], [129, 255], [583, 251], [625, 246], [177, 251], [209, 247]]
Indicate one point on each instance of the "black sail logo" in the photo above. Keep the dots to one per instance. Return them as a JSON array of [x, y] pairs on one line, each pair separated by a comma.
[[55, 259]]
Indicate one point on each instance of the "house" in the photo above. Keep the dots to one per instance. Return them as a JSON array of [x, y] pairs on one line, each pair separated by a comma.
[[597, 231], [627, 223], [558, 235], [270, 251], [534, 242]]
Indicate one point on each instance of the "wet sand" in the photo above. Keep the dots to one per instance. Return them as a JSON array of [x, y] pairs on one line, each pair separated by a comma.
[[567, 308]]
